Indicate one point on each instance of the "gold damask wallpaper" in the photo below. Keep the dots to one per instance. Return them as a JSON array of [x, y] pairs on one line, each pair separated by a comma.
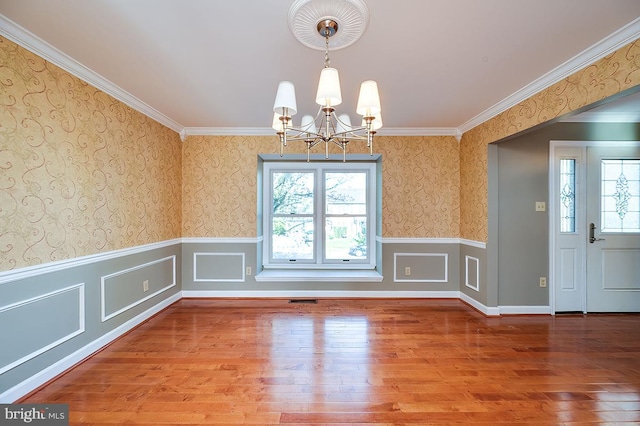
[[421, 185], [219, 185], [610, 75], [80, 172]]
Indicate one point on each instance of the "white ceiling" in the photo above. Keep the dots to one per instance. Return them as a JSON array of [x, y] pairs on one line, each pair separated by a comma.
[[442, 66]]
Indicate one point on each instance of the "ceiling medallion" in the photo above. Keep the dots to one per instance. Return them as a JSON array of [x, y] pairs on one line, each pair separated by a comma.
[[351, 17]]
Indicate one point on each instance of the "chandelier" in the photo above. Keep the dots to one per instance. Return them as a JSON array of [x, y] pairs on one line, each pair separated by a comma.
[[327, 126]]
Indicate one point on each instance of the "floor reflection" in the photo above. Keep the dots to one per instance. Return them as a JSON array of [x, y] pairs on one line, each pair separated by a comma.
[[319, 361]]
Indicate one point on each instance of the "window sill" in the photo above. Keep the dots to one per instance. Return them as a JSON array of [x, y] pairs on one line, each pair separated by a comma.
[[319, 275]]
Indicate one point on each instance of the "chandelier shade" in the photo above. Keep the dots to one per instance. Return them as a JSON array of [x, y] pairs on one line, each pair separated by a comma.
[[369, 99], [343, 124], [308, 124], [285, 104], [328, 93]]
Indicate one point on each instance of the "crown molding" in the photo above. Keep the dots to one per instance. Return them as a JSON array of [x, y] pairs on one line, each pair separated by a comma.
[[268, 131], [421, 131], [228, 131], [599, 50], [34, 44]]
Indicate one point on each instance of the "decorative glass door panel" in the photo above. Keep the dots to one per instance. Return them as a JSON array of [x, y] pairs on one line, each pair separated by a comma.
[[613, 220]]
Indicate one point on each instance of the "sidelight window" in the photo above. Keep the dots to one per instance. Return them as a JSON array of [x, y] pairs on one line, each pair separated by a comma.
[[568, 195]]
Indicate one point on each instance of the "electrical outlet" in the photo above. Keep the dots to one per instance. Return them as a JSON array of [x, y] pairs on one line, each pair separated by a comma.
[[248, 271], [407, 270], [543, 281], [145, 285], [541, 206]]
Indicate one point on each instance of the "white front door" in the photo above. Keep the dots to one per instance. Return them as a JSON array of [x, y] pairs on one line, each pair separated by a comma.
[[613, 220], [595, 227]]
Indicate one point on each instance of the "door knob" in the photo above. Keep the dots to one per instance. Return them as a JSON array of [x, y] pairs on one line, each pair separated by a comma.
[[592, 231]]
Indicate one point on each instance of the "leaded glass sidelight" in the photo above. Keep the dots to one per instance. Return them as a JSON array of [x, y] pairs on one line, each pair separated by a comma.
[[620, 204], [568, 195]]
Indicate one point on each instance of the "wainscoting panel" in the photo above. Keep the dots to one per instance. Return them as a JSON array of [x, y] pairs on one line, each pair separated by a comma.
[[35, 325], [421, 267], [472, 272], [220, 264], [122, 290], [219, 267]]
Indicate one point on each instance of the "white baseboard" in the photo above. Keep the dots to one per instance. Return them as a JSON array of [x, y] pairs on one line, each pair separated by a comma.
[[487, 310], [490, 311], [287, 294], [525, 310], [42, 377]]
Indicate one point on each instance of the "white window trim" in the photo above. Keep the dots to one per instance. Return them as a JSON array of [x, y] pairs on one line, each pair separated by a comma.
[[320, 168]]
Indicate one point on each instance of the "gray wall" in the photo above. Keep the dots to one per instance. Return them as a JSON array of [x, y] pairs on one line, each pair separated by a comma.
[[47, 316], [519, 236]]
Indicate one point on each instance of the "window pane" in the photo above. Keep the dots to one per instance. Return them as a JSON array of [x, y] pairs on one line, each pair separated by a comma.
[[292, 238], [346, 193], [346, 237], [292, 193], [568, 195], [620, 192], [319, 215]]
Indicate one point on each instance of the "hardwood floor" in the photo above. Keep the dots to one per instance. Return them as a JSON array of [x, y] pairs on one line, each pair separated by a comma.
[[358, 361]]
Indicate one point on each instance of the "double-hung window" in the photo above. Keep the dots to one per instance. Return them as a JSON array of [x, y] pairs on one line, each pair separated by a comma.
[[319, 215]]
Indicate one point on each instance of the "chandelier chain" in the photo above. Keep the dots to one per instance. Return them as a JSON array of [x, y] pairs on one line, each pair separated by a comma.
[[327, 61]]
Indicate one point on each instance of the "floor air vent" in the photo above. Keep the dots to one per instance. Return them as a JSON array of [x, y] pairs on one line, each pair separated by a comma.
[[303, 301]]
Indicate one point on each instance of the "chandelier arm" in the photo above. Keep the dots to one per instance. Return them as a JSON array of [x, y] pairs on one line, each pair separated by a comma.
[[316, 142], [298, 133], [337, 142], [300, 130], [301, 134], [353, 133]]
